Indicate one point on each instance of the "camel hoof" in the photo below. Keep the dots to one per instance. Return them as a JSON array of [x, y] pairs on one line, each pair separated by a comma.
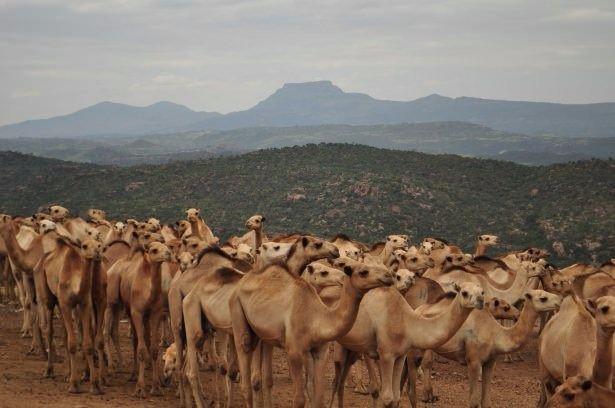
[[74, 389], [48, 372], [96, 390], [430, 399], [139, 392], [156, 391]]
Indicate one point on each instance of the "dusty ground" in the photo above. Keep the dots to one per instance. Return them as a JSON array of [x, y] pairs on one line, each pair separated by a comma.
[[22, 384]]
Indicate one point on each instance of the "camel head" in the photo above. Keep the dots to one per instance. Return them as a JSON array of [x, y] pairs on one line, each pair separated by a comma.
[[603, 309], [193, 245], [365, 277], [170, 364], [255, 222], [120, 227], [394, 242], [458, 259], [58, 213], [93, 233], [573, 393], [501, 309], [543, 301], [471, 295], [322, 276], [534, 269], [45, 226], [273, 251], [243, 252], [434, 243], [185, 260], [91, 249], [5, 218], [159, 252], [404, 279], [193, 214], [413, 260], [96, 215], [533, 254], [153, 225], [488, 240], [182, 226], [312, 249], [146, 238]]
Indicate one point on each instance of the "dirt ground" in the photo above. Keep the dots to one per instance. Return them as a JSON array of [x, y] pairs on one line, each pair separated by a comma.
[[22, 383]]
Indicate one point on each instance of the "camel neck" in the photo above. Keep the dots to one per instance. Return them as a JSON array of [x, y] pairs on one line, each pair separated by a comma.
[[512, 338], [433, 332], [602, 373], [480, 250], [24, 259], [258, 238], [336, 322], [296, 262], [196, 231]]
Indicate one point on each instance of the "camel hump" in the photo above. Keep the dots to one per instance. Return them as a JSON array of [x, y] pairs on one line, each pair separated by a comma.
[[228, 275]]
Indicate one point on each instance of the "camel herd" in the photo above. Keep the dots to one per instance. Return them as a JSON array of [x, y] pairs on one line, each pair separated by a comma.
[[392, 307]]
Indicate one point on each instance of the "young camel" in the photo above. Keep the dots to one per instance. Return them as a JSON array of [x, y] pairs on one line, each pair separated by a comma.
[[580, 392], [575, 343], [139, 290], [481, 339], [282, 310], [387, 328], [65, 278]]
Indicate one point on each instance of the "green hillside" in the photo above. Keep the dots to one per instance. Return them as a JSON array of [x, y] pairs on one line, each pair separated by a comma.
[[362, 191]]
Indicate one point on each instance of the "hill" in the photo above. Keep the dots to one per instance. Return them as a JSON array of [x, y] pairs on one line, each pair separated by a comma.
[[319, 103], [365, 192]]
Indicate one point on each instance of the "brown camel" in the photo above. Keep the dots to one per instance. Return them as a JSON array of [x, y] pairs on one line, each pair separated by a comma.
[[281, 310], [348, 247], [573, 341], [481, 339], [387, 328], [65, 279], [138, 287], [580, 392]]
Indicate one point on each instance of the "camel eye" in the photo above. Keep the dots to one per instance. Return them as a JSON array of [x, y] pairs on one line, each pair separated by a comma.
[[569, 396], [487, 239], [464, 294], [277, 247], [194, 245], [398, 277], [324, 274], [506, 308], [543, 299], [414, 259], [363, 273], [604, 309], [155, 251], [318, 245], [85, 246]]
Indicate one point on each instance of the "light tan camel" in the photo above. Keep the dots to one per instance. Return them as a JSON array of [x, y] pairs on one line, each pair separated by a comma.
[[483, 242], [609, 267], [573, 340], [580, 392], [138, 287], [198, 227], [255, 236], [481, 339], [387, 328], [348, 247], [65, 279], [282, 310]]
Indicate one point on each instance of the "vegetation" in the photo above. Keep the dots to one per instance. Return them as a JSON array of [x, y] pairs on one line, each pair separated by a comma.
[[329, 188]]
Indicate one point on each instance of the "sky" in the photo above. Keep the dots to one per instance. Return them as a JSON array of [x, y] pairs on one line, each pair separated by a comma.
[[58, 56]]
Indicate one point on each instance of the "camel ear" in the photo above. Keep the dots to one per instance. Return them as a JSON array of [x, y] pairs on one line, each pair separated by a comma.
[[310, 269], [263, 219], [134, 234], [348, 270], [590, 305], [449, 258], [586, 385], [305, 241], [456, 287], [528, 296]]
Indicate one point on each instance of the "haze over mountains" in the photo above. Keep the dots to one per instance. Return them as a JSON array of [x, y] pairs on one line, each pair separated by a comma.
[[320, 103]]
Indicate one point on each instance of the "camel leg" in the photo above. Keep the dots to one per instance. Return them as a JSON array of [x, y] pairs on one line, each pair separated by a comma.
[[386, 364], [48, 329], [373, 387], [412, 377], [154, 347], [99, 343], [256, 373], [427, 367], [474, 372], [243, 338], [176, 319], [71, 344], [488, 368], [142, 351], [194, 336], [345, 359], [320, 361], [231, 373], [86, 313], [295, 362], [398, 367]]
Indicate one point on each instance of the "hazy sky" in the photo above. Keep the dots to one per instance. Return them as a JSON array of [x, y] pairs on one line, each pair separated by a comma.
[[57, 56]]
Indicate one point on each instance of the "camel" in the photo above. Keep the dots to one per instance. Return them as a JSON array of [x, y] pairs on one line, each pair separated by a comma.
[[210, 296], [207, 260], [281, 310], [580, 392], [271, 252], [388, 337], [255, 236], [483, 242], [481, 339], [198, 228], [65, 278], [609, 267], [573, 341], [347, 247], [138, 287], [326, 280]]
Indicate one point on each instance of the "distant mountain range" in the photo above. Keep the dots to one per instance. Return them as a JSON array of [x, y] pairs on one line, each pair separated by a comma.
[[319, 103]]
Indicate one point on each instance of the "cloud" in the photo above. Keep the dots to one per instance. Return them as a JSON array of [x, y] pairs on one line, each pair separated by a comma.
[[585, 15], [166, 80], [18, 94]]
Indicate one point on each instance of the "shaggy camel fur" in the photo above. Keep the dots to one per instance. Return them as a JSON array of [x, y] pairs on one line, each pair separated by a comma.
[[387, 328], [481, 339], [281, 310], [581, 392], [65, 278], [137, 285], [572, 340]]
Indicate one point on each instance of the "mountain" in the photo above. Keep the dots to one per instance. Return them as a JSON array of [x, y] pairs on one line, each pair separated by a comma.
[[319, 103], [108, 118], [325, 189]]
